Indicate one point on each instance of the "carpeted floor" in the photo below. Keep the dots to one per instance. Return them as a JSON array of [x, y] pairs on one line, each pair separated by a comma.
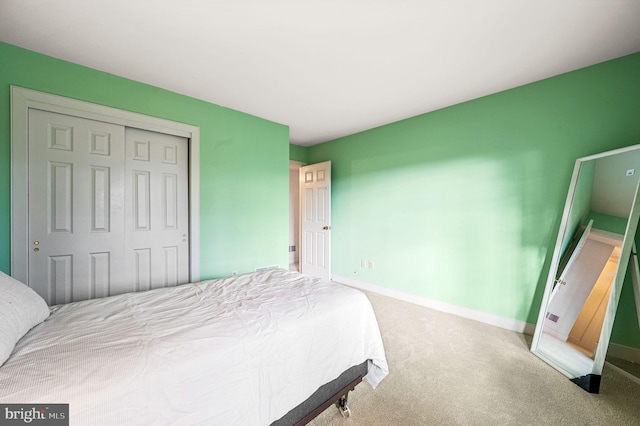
[[447, 370]]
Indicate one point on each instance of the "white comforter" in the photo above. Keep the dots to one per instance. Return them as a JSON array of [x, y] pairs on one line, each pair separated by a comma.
[[237, 351]]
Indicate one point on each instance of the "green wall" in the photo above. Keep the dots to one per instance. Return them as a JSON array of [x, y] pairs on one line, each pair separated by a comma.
[[463, 204], [299, 153], [625, 327], [607, 222], [244, 178], [460, 205]]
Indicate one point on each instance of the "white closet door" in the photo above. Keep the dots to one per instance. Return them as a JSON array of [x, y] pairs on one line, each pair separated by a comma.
[[76, 215], [108, 208], [156, 206]]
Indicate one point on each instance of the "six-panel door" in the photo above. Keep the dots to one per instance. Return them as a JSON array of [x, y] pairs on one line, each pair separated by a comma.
[[108, 208]]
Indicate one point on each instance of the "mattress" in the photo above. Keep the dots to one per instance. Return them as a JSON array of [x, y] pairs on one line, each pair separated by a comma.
[[242, 350]]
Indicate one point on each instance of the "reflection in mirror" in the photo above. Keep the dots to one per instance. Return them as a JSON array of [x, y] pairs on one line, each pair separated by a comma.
[[588, 265], [618, 358]]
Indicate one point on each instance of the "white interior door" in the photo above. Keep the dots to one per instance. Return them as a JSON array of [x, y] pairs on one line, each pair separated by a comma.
[[575, 285], [76, 224], [157, 213], [315, 187], [108, 208]]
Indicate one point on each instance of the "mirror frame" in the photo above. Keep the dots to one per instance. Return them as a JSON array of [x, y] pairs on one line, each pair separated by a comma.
[[590, 381]]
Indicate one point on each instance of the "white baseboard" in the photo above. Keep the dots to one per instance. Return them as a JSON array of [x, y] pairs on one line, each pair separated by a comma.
[[624, 352], [502, 322]]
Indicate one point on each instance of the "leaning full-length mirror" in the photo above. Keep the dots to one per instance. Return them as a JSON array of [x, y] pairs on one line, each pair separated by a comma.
[[588, 265]]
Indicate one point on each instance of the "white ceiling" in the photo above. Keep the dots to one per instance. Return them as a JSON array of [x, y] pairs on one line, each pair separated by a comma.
[[328, 68]]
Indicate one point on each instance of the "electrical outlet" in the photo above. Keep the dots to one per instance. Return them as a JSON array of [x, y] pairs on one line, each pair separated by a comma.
[[631, 172], [363, 263], [371, 264]]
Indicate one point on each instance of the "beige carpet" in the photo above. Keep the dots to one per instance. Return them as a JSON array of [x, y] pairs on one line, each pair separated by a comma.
[[446, 370]]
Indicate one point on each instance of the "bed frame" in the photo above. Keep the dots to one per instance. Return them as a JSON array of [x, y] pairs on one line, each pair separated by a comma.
[[335, 392]]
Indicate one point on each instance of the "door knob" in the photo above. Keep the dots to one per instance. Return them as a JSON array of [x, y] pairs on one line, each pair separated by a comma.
[[326, 228]]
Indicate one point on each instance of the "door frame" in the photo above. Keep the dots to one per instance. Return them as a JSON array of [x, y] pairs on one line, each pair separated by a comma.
[[22, 99], [294, 164]]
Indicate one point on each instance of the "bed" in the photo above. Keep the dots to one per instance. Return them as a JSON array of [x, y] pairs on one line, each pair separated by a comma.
[[271, 347]]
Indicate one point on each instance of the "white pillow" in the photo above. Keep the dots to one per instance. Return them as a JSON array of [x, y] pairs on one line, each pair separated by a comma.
[[21, 309]]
